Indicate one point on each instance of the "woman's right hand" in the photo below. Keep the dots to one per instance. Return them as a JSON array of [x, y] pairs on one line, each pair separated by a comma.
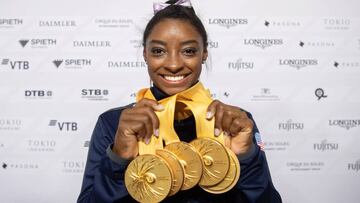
[[136, 123]]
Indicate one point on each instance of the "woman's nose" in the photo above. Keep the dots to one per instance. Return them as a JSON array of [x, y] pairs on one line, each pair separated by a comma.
[[173, 62]]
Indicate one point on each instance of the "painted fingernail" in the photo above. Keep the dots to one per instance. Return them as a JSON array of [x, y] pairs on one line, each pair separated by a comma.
[[216, 132], [208, 114], [147, 140], [156, 132]]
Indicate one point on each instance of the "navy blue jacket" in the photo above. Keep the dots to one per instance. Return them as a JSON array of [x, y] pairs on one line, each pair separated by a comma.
[[104, 172]]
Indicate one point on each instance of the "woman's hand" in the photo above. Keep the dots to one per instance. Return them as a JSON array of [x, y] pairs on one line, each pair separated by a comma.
[[234, 123], [137, 123]]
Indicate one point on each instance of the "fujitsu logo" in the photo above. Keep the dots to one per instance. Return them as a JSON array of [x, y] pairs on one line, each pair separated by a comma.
[[290, 125], [324, 146], [354, 166]]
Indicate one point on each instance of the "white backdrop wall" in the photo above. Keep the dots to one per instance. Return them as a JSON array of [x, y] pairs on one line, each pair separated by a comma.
[[294, 64]]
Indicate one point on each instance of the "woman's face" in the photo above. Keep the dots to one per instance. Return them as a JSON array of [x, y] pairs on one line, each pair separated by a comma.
[[174, 52]]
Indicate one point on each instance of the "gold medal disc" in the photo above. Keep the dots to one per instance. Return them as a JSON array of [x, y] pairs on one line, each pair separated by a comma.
[[231, 178], [148, 178], [190, 160], [176, 169], [215, 158]]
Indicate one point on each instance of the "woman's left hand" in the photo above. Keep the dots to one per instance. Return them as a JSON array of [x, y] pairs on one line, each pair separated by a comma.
[[235, 123]]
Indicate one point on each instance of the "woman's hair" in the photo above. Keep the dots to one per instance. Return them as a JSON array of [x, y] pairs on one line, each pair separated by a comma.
[[180, 13]]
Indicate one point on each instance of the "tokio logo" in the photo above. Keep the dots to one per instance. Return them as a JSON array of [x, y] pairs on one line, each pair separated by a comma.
[[228, 22], [126, 64], [57, 23], [72, 63], [336, 23], [38, 94], [298, 63], [73, 166], [289, 125], [95, 94], [10, 124], [64, 126], [263, 42], [241, 65], [41, 145], [15, 64], [90, 43], [10, 22], [347, 124], [38, 43], [325, 146], [354, 166], [320, 93]]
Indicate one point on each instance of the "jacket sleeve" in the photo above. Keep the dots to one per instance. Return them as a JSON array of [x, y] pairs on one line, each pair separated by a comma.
[[103, 179], [255, 180]]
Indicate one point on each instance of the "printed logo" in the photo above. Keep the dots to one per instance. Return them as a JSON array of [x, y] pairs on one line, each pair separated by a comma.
[[325, 146], [64, 126], [91, 44], [265, 95], [10, 22], [240, 65], [38, 43], [72, 63], [41, 145], [95, 94], [38, 94], [126, 64], [276, 146], [20, 166], [263, 42], [298, 63], [354, 166], [57, 23], [347, 64], [320, 93], [282, 23], [289, 125], [228, 22], [347, 124], [4, 165], [15, 65], [305, 166], [10, 124], [87, 143], [113, 23], [336, 23], [313, 44], [73, 167]]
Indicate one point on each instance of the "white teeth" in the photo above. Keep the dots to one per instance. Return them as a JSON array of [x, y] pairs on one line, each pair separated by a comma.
[[174, 78]]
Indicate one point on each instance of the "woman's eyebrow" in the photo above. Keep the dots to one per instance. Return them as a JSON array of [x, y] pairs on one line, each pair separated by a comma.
[[155, 41], [189, 42]]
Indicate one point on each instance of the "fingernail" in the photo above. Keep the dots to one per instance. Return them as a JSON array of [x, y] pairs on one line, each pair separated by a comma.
[[226, 133], [208, 114], [156, 132], [147, 140], [216, 132], [160, 107]]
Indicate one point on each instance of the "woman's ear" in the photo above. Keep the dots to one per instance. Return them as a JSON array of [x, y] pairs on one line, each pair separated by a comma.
[[205, 55], [144, 55]]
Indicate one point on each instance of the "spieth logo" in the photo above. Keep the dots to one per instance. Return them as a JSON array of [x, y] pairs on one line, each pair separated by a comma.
[[41, 145], [64, 126], [298, 63], [91, 44], [240, 65], [325, 146], [113, 23], [354, 166], [72, 63], [263, 43], [290, 125], [10, 22], [38, 43], [348, 64], [95, 94], [38, 94], [228, 22], [73, 166], [16, 65], [126, 64], [57, 23], [347, 124], [10, 124], [283, 23], [336, 23]]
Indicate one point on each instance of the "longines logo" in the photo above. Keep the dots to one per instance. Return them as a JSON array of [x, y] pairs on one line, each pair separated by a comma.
[[289, 125], [282, 23], [16, 64], [10, 124], [72, 63], [324, 44], [263, 42], [41, 145], [20, 166], [354, 166], [95, 94], [241, 65], [10, 22], [38, 43], [325, 146], [276, 146], [64, 125], [73, 166], [347, 64], [228, 22], [298, 63], [336, 23], [265, 95], [113, 23], [91, 43], [305, 166], [57, 23], [126, 64], [38, 94], [347, 124]]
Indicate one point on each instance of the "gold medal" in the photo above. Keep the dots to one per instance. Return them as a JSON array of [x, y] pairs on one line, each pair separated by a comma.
[[176, 168], [148, 178], [230, 179], [215, 160], [190, 160]]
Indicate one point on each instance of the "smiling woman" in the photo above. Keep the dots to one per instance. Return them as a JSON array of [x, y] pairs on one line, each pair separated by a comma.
[[175, 47]]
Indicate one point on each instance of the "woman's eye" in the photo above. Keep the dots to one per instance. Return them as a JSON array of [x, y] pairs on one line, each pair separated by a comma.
[[190, 51], [157, 51]]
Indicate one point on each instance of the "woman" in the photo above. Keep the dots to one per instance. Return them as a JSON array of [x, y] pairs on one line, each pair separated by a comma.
[[175, 47]]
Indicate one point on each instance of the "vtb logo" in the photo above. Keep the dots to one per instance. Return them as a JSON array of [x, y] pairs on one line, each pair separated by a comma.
[[16, 65], [64, 126]]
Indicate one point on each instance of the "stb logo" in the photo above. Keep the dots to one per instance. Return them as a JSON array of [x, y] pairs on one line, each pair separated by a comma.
[[16, 65], [64, 126]]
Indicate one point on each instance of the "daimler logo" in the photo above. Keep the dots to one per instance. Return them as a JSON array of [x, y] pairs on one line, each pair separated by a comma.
[[241, 65], [347, 124], [289, 125], [228, 22], [10, 22], [38, 43], [354, 166], [326, 146], [263, 42], [298, 63], [91, 43], [126, 64], [72, 63], [57, 23]]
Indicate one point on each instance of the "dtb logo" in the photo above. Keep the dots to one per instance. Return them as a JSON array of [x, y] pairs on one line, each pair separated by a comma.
[[37, 93], [64, 126], [16, 65]]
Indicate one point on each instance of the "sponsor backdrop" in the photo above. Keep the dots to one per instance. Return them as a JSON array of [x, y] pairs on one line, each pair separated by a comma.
[[294, 64]]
